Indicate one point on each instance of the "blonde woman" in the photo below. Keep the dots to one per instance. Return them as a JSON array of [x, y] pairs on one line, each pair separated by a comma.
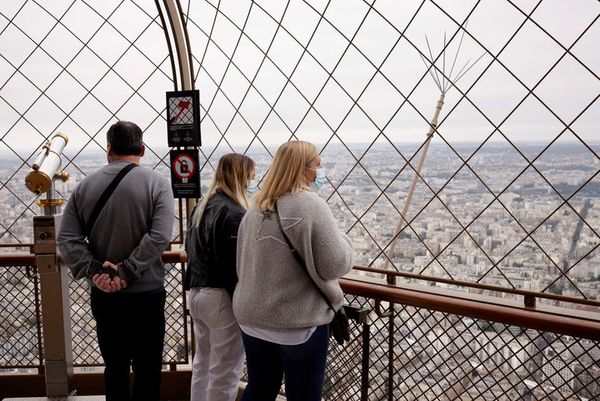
[[283, 317], [211, 278]]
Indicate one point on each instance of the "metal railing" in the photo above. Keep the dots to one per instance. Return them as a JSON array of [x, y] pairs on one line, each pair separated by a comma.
[[434, 344], [20, 318], [418, 342], [21, 345]]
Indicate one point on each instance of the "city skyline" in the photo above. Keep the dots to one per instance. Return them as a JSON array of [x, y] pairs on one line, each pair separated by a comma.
[[494, 220], [497, 141]]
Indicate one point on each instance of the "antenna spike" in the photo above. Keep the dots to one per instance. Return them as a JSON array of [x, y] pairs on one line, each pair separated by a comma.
[[433, 63], [429, 67], [458, 50], [444, 63], [471, 66]]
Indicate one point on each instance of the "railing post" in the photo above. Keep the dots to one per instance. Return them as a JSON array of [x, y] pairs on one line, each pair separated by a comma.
[[360, 315], [56, 323], [391, 279], [529, 301], [366, 340]]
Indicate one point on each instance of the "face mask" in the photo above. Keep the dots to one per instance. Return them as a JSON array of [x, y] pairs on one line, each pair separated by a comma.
[[320, 179], [252, 188]]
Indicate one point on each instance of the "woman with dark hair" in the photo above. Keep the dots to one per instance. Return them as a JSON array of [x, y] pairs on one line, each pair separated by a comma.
[[211, 278]]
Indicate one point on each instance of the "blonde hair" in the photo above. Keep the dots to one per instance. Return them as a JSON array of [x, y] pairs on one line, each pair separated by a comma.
[[232, 176], [286, 173]]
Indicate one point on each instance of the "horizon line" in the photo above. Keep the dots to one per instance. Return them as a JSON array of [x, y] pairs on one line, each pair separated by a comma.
[[10, 152]]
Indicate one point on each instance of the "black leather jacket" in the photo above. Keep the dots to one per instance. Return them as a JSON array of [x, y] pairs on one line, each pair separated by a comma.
[[211, 247]]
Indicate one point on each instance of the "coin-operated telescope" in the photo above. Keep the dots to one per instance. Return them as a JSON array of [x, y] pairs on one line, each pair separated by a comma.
[[56, 320], [44, 171]]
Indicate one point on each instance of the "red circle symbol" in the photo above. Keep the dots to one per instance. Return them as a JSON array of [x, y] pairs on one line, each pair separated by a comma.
[[184, 166]]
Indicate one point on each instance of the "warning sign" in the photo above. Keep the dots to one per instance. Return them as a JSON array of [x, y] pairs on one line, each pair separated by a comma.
[[183, 118], [184, 166], [185, 174]]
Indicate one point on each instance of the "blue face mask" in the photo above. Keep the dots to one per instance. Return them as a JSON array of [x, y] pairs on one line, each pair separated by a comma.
[[252, 188], [320, 179]]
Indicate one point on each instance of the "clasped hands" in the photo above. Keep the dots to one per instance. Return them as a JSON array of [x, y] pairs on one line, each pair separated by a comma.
[[104, 281]]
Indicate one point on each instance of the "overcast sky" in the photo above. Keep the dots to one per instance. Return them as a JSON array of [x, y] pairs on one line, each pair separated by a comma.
[[100, 73]]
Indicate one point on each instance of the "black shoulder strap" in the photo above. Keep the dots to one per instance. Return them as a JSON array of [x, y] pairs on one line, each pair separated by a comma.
[[298, 257], [105, 196]]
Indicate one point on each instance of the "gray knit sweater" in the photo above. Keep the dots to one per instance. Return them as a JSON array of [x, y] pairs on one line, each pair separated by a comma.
[[135, 226], [273, 290]]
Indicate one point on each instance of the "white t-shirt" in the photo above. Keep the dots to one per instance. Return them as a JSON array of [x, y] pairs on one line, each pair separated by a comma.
[[280, 336]]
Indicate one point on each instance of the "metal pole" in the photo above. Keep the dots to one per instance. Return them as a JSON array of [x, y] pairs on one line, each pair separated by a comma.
[[56, 316], [183, 52], [391, 330], [366, 340], [402, 223]]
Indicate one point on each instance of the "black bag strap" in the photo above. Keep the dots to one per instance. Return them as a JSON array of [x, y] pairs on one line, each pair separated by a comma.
[[297, 256], [105, 196]]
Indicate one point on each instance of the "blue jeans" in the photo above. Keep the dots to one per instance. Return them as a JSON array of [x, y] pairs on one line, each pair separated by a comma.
[[303, 366]]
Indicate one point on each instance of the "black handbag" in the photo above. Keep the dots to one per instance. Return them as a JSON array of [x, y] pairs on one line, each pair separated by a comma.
[[339, 327]]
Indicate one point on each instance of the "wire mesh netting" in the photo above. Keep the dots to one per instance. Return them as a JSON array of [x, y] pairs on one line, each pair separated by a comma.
[[76, 67], [440, 356], [19, 321], [20, 303], [410, 353], [505, 195], [83, 325]]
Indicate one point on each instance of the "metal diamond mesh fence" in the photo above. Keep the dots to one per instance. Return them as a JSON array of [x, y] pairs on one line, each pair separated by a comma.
[[76, 67], [347, 370], [20, 320], [20, 331], [83, 329], [399, 352], [438, 356], [500, 188]]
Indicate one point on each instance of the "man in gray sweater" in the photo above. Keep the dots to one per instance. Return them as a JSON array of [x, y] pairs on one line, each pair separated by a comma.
[[119, 253]]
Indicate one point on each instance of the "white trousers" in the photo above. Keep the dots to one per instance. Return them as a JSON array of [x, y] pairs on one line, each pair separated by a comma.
[[219, 358]]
